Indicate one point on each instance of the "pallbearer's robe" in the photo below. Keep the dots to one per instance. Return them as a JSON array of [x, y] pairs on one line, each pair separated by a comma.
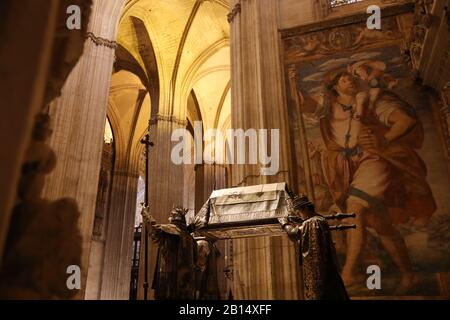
[[322, 280], [174, 276], [317, 256]]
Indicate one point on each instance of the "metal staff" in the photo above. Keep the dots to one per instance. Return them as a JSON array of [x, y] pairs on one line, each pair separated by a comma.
[[340, 216], [343, 227], [147, 143], [337, 216]]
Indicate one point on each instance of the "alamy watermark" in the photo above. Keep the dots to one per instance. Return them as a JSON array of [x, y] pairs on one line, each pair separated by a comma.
[[74, 280], [73, 22], [231, 149], [374, 280], [374, 21]]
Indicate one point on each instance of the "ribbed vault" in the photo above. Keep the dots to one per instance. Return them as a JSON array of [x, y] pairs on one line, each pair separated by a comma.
[[175, 47]]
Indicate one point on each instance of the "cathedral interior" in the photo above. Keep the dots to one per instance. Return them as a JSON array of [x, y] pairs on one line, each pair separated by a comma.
[[93, 91]]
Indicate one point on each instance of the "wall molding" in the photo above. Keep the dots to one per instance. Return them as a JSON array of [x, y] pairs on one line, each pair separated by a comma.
[[102, 42], [160, 117], [344, 21], [234, 12]]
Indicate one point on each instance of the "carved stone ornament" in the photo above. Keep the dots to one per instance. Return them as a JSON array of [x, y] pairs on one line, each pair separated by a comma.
[[236, 9], [44, 239]]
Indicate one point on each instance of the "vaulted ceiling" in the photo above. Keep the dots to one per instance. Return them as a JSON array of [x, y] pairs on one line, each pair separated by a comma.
[[178, 48]]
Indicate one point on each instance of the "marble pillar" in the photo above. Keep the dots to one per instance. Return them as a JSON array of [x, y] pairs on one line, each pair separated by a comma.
[[79, 116], [263, 268]]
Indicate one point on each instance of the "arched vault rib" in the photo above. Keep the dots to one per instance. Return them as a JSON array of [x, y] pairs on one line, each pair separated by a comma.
[[139, 101], [188, 81], [222, 101], [193, 109], [126, 61], [116, 127], [204, 73], [131, 3], [147, 53], [186, 30]]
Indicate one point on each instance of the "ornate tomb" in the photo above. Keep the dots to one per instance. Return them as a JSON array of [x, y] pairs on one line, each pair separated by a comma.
[[245, 212]]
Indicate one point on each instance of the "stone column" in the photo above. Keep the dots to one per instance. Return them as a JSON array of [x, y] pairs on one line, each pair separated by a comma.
[[79, 116], [264, 268], [165, 185], [220, 182], [210, 177], [205, 183], [97, 252], [119, 249]]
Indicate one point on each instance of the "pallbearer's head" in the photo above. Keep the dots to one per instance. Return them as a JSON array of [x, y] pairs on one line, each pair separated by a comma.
[[178, 215], [303, 207]]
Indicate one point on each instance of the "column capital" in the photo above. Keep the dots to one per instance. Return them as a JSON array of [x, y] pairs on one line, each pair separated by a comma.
[[162, 117], [234, 11], [99, 41]]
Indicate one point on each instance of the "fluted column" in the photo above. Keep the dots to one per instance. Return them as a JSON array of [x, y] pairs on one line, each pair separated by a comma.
[[205, 183], [264, 268], [79, 116], [220, 182], [165, 184], [119, 250], [97, 251]]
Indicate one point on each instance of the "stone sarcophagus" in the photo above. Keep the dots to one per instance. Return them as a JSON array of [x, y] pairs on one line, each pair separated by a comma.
[[245, 212]]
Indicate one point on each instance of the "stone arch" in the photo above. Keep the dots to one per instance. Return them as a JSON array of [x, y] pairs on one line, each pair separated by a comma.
[[191, 76]]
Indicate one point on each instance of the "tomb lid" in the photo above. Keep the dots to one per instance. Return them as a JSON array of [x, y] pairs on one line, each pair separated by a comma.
[[245, 211]]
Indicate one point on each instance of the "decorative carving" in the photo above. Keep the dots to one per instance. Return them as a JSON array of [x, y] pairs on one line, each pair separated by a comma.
[[422, 22], [40, 160], [342, 38], [160, 117], [445, 116], [236, 9], [323, 8], [44, 238], [337, 3], [99, 41], [444, 71], [394, 1], [387, 12], [103, 194]]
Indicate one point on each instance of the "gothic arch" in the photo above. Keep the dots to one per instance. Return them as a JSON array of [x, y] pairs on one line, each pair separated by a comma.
[[130, 107]]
